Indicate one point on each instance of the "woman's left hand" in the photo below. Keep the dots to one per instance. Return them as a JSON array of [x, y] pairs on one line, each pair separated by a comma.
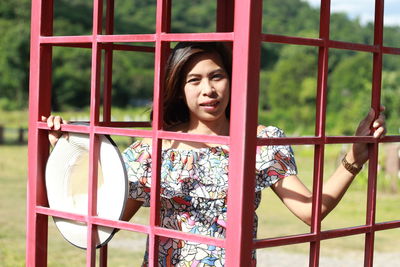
[[367, 127]]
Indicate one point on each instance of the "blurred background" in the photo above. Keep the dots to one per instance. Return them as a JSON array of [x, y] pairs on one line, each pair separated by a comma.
[[288, 78]]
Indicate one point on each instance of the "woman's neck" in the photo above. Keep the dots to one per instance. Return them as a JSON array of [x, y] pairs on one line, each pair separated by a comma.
[[220, 127]]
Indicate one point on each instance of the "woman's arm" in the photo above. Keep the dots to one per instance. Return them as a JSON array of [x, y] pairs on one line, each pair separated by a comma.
[[298, 198], [131, 207]]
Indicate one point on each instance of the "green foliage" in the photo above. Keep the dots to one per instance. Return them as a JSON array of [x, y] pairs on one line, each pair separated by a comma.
[[391, 100], [349, 92]]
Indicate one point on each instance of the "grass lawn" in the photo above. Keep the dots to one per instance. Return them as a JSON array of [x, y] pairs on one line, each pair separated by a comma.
[[126, 248]]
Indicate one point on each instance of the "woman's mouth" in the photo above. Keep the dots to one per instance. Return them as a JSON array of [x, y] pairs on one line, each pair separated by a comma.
[[209, 104]]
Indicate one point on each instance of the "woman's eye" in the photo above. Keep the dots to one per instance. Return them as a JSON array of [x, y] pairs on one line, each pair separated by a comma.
[[193, 80], [217, 77]]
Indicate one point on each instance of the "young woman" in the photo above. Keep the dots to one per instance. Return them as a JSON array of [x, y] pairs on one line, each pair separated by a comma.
[[194, 176]]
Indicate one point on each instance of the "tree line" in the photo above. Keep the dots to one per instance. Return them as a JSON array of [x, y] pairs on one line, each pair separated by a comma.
[[288, 76]]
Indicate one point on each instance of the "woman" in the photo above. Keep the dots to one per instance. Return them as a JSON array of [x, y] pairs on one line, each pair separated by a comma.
[[194, 175]]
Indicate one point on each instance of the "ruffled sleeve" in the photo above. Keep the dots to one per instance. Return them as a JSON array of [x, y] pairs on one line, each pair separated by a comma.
[[273, 162], [137, 159]]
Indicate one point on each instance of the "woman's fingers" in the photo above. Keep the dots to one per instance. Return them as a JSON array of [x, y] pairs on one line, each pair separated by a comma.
[[380, 132], [54, 123], [378, 125]]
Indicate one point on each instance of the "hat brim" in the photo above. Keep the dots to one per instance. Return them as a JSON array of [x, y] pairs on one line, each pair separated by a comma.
[[67, 173]]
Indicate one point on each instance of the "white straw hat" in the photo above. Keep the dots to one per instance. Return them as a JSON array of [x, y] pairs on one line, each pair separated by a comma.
[[67, 173]]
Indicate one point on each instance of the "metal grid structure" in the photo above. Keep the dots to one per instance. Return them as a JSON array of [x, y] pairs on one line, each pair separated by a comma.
[[238, 22]]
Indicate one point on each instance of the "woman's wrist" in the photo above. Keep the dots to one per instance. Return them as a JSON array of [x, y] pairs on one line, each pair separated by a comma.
[[351, 166]]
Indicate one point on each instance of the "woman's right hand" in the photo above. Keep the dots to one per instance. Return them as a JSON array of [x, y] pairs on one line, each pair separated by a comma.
[[54, 123]]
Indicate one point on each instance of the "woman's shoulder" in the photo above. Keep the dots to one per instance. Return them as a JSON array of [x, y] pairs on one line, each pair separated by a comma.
[[269, 132]]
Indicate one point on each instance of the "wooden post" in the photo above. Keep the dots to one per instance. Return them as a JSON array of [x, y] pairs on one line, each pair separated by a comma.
[[1, 134], [21, 135]]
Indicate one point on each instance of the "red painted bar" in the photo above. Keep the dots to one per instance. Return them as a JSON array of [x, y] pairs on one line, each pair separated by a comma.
[[352, 46], [198, 37], [160, 231], [65, 39], [126, 38], [141, 124], [213, 139], [276, 38], [387, 225], [225, 12], [323, 57], [108, 63], [373, 155], [38, 146], [103, 256], [245, 82], [94, 140], [125, 132], [391, 50], [284, 240], [163, 22], [123, 47], [61, 214]]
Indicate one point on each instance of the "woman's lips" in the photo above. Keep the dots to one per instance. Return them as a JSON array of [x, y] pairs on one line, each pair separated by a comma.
[[209, 104]]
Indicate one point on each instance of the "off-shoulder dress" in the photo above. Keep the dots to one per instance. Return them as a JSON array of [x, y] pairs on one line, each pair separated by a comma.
[[194, 185]]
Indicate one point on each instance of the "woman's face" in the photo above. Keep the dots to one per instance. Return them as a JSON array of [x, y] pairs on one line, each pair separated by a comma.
[[206, 88]]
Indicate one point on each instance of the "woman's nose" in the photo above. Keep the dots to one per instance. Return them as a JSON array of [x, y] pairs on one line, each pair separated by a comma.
[[207, 88]]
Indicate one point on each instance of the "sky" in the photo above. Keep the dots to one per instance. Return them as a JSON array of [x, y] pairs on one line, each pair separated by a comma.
[[364, 9]]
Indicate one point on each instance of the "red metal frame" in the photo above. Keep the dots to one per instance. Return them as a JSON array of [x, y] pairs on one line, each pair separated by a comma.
[[238, 22]]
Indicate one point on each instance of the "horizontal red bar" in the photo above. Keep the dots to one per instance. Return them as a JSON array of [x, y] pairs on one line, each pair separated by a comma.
[[275, 38], [125, 38], [146, 124], [289, 141], [387, 225], [123, 131], [283, 241], [213, 36], [345, 232], [351, 139], [94, 220], [391, 50], [65, 39], [160, 231], [224, 140], [212, 139], [67, 127], [62, 214], [353, 46], [124, 47], [317, 140], [72, 45], [121, 225]]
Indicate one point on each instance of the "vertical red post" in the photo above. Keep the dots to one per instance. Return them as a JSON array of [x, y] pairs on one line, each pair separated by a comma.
[[94, 140], [373, 148], [38, 147], [243, 128], [108, 63], [225, 13], [322, 83], [163, 22]]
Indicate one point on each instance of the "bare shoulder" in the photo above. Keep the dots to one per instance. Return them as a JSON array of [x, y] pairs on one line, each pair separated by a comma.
[[180, 127], [147, 141], [260, 128]]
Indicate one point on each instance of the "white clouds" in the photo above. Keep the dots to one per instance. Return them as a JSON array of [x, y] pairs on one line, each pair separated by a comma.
[[364, 9]]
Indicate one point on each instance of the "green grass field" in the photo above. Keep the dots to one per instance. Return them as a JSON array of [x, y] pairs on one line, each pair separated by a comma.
[[126, 248]]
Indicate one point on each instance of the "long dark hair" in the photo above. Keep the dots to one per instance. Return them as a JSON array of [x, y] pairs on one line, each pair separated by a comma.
[[175, 109]]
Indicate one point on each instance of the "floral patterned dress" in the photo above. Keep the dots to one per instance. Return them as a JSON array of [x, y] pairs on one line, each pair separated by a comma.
[[194, 186]]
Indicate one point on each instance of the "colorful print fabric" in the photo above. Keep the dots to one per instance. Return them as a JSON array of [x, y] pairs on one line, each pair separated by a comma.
[[194, 186]]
